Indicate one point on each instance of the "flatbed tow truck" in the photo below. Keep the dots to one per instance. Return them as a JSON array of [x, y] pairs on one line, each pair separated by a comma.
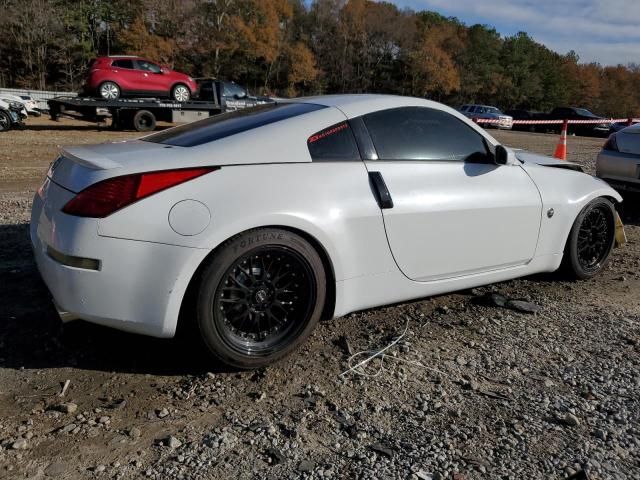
[[142, 114]]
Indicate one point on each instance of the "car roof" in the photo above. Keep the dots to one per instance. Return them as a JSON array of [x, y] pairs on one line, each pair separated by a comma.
[[632, 128], [106, 58], [354, 105]]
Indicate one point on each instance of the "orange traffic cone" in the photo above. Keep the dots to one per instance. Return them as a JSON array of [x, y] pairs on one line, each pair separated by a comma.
[[561, 148]]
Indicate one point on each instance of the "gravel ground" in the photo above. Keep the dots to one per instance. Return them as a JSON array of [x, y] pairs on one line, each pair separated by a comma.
[[469, 391]]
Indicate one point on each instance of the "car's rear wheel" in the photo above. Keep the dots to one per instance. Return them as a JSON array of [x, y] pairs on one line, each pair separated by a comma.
[[144, 121], [109, 90], [260, 297], [5, 121], [591, 239], [180, 93]]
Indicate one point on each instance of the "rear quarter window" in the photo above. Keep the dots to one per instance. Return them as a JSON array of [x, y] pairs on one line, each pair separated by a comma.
[[231, 123], [335, 143]]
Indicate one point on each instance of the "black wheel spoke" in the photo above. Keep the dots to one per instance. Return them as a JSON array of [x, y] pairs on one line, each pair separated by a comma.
[[264, 299], [594, 238]]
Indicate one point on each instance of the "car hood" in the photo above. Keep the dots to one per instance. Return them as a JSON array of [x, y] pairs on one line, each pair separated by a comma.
[[530, 157]]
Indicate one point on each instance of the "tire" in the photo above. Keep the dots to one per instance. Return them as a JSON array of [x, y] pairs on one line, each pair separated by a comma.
[[591, 240], [5, 121], [109, 91], [180, 93], [144, 121], [249, 291]]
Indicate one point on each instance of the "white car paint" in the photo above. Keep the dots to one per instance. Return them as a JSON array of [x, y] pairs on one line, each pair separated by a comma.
[[14, 98], [454, 226]]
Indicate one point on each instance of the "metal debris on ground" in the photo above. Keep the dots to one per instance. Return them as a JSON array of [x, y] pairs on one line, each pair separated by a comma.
[[370, 355], [64, 388]]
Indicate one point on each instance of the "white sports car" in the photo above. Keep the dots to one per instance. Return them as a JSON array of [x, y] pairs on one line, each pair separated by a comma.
[[262, 221]]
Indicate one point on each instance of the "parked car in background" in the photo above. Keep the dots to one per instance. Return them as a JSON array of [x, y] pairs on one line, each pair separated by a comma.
[[14, 100], [30, 105], [261, 221], [234, 97], [617, 126], [575, 113], [618, 162], [525, 115], [487, 112], [12, 115], [119, 75]]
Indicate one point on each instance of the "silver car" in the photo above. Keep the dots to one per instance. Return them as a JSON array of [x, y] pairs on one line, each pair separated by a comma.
[[486, 112], [619, 161]]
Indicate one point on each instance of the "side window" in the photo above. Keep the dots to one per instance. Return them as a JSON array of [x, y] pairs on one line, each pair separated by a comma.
[[335, 143], [123, 64], [420, 133], [148, 66], [229, 89]]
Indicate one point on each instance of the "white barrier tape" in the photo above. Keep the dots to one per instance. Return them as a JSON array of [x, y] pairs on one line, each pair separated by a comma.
[[554, 122]]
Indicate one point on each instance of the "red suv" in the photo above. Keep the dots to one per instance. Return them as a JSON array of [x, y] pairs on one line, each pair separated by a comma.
[[115, 76]]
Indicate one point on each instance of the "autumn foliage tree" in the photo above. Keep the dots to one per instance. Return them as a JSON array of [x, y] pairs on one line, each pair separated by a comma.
[[433, 66], [138, 40]]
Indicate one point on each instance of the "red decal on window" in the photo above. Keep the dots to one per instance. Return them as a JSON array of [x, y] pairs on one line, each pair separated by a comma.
[[326, 133]]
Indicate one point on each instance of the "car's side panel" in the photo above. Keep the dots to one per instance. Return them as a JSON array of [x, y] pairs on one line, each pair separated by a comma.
[[564, 194], [139, 286], [451, 219], [332, 202], [392, 287]]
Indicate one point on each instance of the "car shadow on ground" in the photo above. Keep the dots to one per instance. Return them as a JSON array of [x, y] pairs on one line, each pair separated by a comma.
[[33, 337]]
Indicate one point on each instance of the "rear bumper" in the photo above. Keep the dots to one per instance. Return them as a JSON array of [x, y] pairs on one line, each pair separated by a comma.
[[138, 286]]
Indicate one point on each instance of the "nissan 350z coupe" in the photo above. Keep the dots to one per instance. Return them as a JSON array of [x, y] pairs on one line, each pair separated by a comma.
[[265, 220]]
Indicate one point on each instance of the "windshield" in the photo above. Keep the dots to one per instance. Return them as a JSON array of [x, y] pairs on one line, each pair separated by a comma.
[[584, 112], [230, 89], [489, 110]]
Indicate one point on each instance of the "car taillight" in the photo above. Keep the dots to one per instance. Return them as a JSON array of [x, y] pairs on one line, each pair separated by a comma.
[[103, 198], [611, 143]]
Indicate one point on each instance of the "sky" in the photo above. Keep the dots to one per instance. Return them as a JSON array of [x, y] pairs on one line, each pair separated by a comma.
[[604, 31]]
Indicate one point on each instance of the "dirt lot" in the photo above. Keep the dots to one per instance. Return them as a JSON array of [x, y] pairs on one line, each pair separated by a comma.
[[471, 391]]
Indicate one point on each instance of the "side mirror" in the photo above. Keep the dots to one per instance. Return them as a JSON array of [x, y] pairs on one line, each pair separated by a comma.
[[239, 97], [501, 156]]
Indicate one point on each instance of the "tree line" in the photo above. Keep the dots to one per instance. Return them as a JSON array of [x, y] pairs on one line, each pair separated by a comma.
[[293, 47]]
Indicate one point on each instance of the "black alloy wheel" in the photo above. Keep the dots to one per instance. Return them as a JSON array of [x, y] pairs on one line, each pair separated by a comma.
[[591, 239], [264, 298], [260, 297], [594, 237]]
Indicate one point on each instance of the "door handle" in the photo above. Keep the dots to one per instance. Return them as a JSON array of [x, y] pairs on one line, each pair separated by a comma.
[[380, 190]]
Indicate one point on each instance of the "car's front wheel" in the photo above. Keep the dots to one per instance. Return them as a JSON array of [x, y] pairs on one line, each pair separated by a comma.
[[109, 91], [260, 297], [181, 93], [5, 121], [591, 239]]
